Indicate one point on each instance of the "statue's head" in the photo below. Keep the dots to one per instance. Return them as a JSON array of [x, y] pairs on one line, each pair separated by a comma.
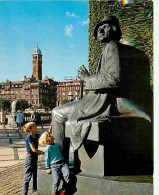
[[108, 29]]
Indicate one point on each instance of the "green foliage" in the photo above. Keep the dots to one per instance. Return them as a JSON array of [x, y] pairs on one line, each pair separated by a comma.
[[22, 105], [45, 103], [64, 101], [5, 104], [136, 21]]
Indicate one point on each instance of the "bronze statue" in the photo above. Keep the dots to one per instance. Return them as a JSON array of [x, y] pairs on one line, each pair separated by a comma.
[[120, 87]]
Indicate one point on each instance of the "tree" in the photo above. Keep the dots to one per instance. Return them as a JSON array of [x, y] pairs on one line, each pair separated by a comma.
[[5, 104], [45, 103], [64, 101], [22, 105]]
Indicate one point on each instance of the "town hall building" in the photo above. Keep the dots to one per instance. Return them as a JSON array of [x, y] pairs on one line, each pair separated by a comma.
[[36, 91]]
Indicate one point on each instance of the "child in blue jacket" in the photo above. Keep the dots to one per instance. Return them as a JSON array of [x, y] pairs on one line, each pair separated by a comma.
[[31, 158], [54, 161]]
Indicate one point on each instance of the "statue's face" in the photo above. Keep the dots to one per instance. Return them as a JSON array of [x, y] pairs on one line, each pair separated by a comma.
[[104, 33]]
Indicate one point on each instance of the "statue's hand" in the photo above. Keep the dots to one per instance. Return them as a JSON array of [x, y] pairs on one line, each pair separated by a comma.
[[83, 68], [82, 73]]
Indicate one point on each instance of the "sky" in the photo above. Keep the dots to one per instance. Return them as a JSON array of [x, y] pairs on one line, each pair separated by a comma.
[[60, 28]]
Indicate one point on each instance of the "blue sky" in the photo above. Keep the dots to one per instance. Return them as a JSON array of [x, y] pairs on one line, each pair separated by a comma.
[[59, 27]]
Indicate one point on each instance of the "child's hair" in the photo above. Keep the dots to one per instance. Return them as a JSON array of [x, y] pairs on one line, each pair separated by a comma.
[[43, 138], [28, 126]]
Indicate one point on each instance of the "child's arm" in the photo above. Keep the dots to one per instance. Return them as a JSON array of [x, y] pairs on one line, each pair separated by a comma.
[[50, 129], [47, 159], [34, 149]]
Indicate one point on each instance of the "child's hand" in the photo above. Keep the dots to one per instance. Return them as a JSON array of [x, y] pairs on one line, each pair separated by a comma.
[[42, 153], [48, 171]]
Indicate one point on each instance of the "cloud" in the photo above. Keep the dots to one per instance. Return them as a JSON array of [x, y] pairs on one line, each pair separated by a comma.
[[68, 29], [70, 14], [71, 46], [84, 22]]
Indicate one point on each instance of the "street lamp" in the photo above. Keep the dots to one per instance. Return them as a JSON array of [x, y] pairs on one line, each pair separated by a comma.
[[70, 96]]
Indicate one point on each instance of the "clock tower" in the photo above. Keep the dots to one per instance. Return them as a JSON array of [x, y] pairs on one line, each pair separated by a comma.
[[37, 64]]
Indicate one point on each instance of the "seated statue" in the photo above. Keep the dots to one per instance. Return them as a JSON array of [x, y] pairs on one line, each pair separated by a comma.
[[120, 87]]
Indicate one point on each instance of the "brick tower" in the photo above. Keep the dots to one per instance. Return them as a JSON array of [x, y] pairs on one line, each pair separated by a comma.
[[37, 64]]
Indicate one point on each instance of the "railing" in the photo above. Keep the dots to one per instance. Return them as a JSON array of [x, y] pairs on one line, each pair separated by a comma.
[[44, 117]]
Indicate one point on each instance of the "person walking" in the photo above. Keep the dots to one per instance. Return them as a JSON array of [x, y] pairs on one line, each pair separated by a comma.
[[19, 118], [35, 117]]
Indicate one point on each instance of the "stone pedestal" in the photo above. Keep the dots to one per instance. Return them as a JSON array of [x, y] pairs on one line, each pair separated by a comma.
[[11, 121], [111, 150], [123, 147], [92, 185]]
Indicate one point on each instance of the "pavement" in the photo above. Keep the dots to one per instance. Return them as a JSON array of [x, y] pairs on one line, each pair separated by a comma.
[[12, 154]]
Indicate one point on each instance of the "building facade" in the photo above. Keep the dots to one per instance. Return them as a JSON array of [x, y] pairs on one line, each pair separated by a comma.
[[34, 90], [64, 89]]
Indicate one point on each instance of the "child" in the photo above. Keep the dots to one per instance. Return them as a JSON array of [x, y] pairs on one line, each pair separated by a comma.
[[31, 158], [54, 161]]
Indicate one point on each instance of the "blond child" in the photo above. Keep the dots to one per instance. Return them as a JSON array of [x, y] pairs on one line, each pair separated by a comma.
[[54, 161], [31, 158]]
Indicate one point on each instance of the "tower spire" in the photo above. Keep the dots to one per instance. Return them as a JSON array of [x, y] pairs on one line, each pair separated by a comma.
[[37, 63]]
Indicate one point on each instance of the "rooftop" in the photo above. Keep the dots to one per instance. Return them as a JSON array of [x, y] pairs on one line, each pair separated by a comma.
[[37, 51]]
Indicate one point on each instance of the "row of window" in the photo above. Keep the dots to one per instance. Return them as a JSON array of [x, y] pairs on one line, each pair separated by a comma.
[[68, 88], [16, 86], [12, 86], [63, 93]]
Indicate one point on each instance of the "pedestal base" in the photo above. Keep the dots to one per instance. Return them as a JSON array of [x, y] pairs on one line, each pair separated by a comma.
[[89, 185], [11, 121], [122, 147]]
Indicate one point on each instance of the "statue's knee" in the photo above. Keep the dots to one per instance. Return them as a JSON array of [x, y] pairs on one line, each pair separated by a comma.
[[58, 116]]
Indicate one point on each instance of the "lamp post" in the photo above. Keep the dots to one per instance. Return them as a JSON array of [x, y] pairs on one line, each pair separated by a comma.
[[70, 96]]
